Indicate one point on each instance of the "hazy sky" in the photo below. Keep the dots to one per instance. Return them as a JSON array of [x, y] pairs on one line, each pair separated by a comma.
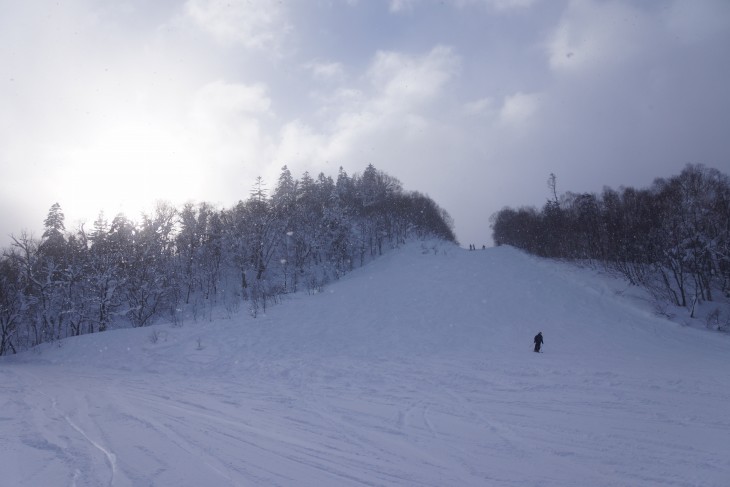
[[111, 105]]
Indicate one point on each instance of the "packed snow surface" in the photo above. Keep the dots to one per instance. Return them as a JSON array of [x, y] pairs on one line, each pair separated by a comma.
[[415, 370]]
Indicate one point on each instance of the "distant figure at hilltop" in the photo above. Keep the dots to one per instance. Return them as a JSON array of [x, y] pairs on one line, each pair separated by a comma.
[[538, 342]]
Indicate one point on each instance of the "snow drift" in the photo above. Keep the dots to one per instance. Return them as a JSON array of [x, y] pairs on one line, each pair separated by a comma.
[[414, 370]]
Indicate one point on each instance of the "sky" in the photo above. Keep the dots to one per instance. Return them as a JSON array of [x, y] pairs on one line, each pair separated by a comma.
[[113, 105]]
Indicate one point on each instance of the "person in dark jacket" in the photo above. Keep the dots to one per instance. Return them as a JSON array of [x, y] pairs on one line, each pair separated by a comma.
[[538, 342]]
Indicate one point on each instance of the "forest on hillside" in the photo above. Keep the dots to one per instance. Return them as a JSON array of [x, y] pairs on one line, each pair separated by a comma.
[[672, 238], [188, 261]]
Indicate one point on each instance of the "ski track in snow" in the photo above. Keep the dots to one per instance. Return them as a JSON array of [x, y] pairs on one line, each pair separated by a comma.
[[416, 370]]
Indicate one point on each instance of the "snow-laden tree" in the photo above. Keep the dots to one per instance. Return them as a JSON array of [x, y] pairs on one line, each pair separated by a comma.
[[151, 281], [673, 237], [12, 305], [306, 233]]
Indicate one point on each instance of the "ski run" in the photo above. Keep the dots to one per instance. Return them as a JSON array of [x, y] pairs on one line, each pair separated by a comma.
[[415, 370]]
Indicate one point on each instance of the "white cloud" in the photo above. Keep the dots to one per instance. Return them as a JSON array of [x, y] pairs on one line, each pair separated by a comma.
[[404, 81], [254, 24], [402, 5], [236, 131], [299, 143], [503, 5], [599, 35], [480, 107], [518, 109], [326, 71], [223, 100], [390, 115], [229, 126]]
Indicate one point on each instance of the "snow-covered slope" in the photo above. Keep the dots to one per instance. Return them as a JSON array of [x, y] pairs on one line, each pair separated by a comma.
[[414, 370]]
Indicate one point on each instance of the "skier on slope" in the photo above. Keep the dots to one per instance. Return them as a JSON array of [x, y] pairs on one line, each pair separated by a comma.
[[538, 342]]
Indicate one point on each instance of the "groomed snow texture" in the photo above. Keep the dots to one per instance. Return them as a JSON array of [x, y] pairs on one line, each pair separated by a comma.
[[415, 370]]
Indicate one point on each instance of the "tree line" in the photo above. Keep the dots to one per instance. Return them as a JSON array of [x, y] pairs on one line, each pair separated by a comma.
[[189, 261], [673, 237]]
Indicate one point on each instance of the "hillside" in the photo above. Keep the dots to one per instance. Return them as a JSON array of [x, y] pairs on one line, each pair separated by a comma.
[[414, 370]]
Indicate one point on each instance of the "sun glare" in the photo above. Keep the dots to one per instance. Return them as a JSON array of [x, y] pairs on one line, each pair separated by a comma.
[[127, 167]]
